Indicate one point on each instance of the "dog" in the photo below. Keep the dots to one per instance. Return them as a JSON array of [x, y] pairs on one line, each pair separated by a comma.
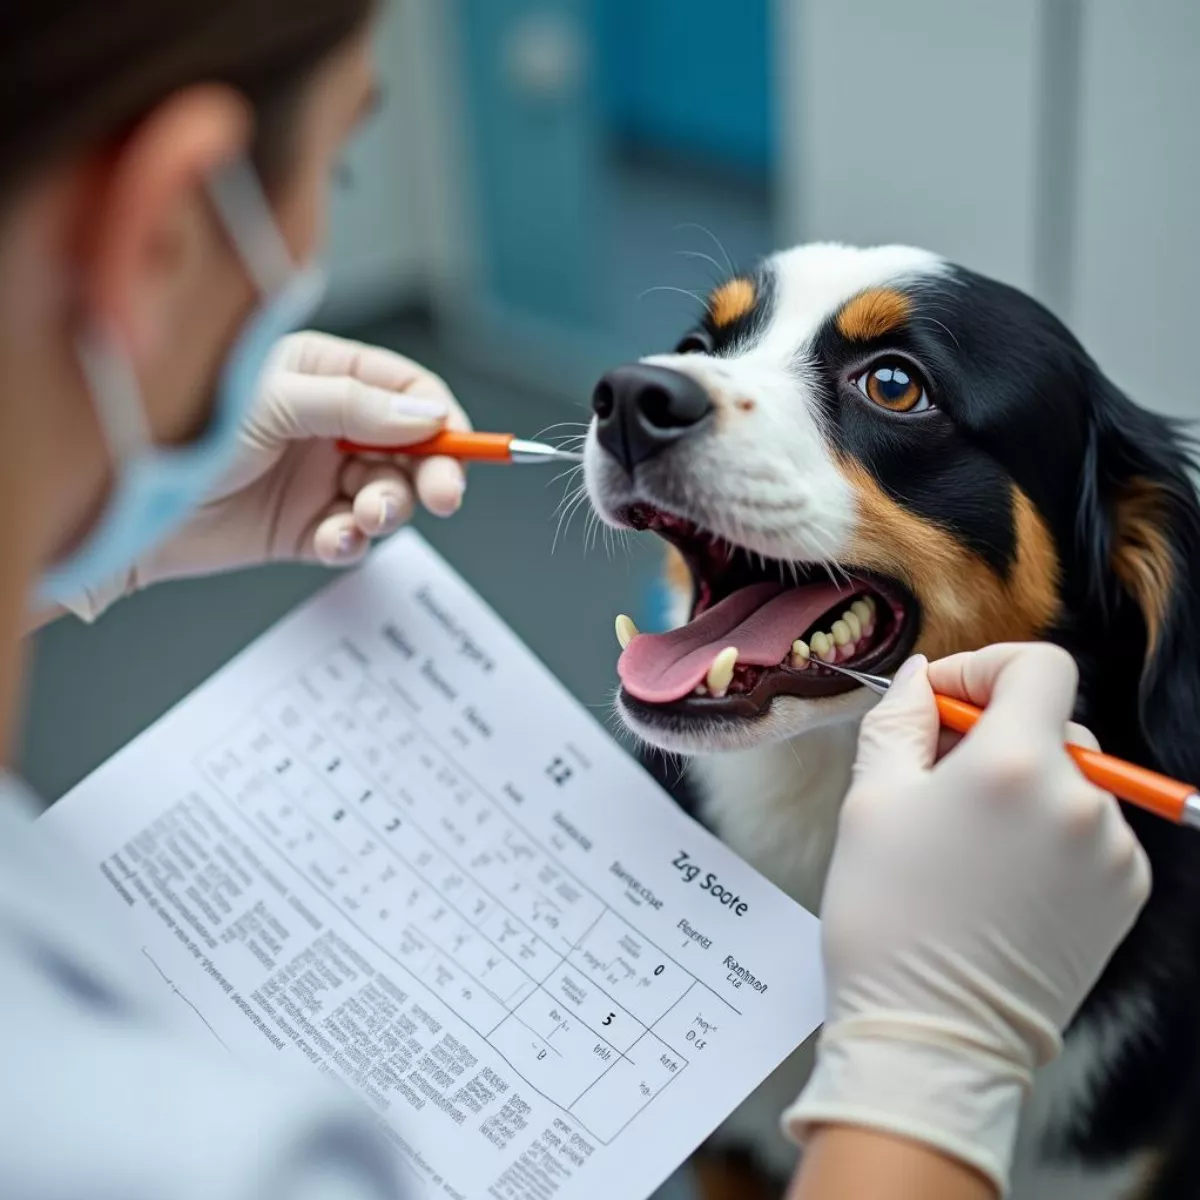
[[857, 454]]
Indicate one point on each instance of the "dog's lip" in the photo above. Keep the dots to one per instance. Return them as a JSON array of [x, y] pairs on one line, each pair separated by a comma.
[[777, 682]]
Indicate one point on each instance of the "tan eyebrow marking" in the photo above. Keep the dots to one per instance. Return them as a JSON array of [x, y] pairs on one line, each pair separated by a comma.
[[731, 301], [872, 314]]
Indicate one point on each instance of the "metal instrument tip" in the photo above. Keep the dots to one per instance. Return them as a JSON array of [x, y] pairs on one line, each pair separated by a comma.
[[874, 683], [541, 452]]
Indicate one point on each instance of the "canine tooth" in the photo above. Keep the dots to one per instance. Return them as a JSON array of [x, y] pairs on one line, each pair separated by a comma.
[[861, 611], [822, 646], [854, 623], [720, 674], [841, 633], [626, 631], [801, 654]]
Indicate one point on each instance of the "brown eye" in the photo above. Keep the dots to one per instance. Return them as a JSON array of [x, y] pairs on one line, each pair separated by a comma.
[[893, 384]]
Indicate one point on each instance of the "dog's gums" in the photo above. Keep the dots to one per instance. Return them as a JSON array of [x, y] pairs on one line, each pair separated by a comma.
[[759, 629]]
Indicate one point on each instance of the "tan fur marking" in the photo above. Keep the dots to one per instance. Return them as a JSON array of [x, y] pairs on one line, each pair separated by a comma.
[[872, 314], [966, 604], [731, 301], [1141, 556]]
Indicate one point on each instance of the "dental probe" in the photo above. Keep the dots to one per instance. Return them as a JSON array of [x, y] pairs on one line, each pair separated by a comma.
[[1168, 798], [473, 447]]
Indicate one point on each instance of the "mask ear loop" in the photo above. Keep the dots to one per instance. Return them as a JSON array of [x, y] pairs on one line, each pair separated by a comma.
[[238, 196], [115, 393], [245, 212]]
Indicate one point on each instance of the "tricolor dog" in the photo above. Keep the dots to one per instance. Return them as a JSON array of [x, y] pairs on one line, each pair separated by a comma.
[[856, 454]]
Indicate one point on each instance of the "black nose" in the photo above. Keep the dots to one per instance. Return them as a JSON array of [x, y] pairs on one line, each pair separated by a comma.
[[641, 410]]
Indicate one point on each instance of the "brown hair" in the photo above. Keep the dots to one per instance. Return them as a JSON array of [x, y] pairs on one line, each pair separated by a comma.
[[75, 73]]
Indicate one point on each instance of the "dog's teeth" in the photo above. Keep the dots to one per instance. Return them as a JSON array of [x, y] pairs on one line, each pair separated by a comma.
[[626, 631], [847, 652], [854, 623], [701, 690], [869, 601], [861, 611], [801, 654], [841, 633], [720, 674], [823, 647]]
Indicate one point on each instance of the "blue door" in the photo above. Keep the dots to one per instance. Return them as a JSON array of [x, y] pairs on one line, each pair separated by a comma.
[[690, 77], [536, 170], [552, 85]]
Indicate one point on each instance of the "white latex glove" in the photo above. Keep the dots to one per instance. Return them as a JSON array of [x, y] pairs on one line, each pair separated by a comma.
[[969, 909], [291, 495]]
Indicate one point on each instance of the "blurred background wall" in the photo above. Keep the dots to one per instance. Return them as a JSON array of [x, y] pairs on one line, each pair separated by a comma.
[[548, 181]]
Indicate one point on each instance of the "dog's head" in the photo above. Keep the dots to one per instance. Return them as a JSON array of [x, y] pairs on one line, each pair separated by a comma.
[[861, 453]]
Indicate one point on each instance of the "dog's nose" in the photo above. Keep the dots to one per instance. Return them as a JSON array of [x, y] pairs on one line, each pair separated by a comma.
[[641, 410]]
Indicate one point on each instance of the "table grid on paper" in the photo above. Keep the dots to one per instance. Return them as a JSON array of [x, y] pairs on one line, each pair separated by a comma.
[[334, 769]]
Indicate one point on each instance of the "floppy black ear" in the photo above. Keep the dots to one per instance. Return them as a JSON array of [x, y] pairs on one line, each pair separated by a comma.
[[1139, 528]]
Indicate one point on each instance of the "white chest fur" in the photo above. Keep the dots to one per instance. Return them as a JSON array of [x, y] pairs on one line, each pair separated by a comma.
[[777, 806]]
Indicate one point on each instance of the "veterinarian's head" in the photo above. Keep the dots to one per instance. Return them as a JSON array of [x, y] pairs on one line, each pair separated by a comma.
[[162, 198], [856, 454]]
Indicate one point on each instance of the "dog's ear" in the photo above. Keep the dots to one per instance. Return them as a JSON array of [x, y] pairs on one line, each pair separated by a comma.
[[1139, 525]]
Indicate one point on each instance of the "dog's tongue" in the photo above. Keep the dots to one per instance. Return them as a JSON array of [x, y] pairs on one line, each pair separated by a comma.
[[762, 621]]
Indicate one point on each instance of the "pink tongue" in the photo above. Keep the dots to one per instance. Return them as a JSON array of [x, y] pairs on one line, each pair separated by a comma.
[[761, 621]]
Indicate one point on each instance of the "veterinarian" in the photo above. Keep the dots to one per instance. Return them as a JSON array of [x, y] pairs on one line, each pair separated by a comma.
[[162, 196]]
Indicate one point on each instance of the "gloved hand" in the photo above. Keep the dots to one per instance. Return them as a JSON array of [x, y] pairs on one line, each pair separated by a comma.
[[970, 907], [291, 495]]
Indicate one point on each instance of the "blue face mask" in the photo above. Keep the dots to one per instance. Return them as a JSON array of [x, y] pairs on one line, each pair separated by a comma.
[[156, 489]]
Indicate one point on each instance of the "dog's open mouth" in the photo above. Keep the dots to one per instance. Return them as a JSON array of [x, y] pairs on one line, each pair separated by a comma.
[[761, 629]]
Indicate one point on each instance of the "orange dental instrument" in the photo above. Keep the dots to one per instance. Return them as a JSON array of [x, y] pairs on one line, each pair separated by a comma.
[[473, 447], [1167, 798]]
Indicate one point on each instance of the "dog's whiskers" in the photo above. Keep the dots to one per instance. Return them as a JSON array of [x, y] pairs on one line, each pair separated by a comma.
[[693, 296], [708, 258], [715, 240]]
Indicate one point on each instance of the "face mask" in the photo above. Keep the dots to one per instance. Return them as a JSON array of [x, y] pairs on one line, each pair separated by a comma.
[[156, 489]]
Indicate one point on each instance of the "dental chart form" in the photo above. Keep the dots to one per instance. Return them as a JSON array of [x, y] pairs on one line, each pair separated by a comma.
[[385, 844]]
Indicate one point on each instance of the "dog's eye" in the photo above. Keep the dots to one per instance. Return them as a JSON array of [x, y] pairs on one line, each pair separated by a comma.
[[893, 384], [695, 343]]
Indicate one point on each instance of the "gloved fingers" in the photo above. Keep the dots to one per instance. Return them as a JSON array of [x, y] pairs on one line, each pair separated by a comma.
[[336, 539], [1076, 735], [1028, 690], [947, 740], [1080, 735], [312, 353], [381, 495], [322, 354], [303, 406], [1126, 857], [441, 482], [902, 730]]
